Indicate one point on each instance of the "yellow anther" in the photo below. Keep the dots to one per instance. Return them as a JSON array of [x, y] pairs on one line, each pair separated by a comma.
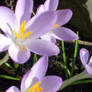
[[35, 88], [16, 34], [56, 26], [22, 34], [26, 35], [22, 27], [23, 30], [38, 89]]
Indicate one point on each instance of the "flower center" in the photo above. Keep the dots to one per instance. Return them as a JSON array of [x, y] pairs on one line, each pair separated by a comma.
[[22, 34], [56, 26], [35, 88]]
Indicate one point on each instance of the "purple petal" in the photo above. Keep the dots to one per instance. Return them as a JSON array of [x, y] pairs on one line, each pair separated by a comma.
[[51, 83], [65, 34], [37, 72], [51, 4], [84, 55], [18, 54], [49, 37], [41, 24], [42, 47], [4, 43], [7, 18], [41, 9], [24, 79], [90, 61], [12, 89], [89, 69], [23, 10], [63, 16]]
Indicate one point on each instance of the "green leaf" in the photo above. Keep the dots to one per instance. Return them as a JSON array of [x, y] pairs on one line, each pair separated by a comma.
[[8, 77], [35, 58], [5, 59], [68, 82], [82, 82]]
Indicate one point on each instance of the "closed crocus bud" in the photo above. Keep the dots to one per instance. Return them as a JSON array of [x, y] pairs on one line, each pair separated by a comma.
[[86, 61]]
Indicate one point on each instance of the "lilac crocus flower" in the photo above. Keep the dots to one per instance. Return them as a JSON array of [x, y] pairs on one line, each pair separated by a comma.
[[36, 81], [63, 17], [86, 61], [21, 32]]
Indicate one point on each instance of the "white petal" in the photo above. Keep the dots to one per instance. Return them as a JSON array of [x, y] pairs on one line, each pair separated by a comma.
[[4, 43], [18, 54], [49, 37], [12, 89], [8, 19]]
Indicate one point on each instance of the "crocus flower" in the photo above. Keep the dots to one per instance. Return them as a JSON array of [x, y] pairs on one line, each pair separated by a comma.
[[21, 33], [63, 17], [86, 61], [36, 81]]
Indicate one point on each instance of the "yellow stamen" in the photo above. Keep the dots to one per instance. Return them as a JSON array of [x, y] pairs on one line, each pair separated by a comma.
[[35, 88], [22, 34], [56, 26], [26, 34], [16, 34], [22, 27]]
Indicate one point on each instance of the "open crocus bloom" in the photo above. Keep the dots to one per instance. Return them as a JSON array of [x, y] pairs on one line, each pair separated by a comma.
[[63, 17], [86, 61], [21, 32], [36, 81]]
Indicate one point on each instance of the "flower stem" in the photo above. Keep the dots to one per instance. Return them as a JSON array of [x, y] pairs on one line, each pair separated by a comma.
[[74, 57], [65, 60]]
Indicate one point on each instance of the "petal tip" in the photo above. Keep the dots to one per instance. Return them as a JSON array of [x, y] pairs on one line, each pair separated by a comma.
[[83, 51]]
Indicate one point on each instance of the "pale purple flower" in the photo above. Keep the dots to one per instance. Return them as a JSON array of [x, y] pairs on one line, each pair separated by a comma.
[[86, 61], [63, 17], [36, 81], [21, 32]]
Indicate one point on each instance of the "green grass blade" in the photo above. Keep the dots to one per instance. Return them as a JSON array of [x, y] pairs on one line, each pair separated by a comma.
[[9, 66], [82, 82], [74, 56], [65, 60], [35, 58], [8, 77]]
